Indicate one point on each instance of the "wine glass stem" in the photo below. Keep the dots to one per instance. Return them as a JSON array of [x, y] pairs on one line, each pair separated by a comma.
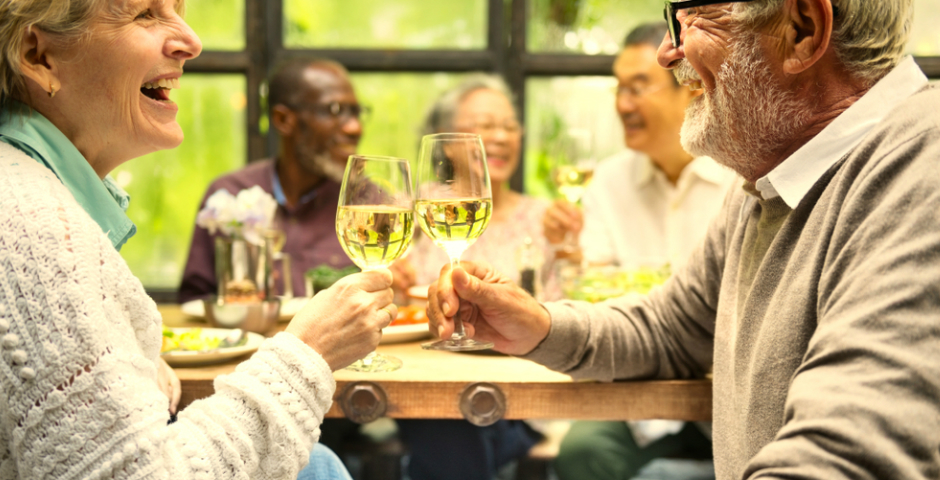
[[458, 323]]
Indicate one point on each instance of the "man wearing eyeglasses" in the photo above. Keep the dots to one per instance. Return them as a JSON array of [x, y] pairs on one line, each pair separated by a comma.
[[815, 292], [652, 202], [314, 110], [648, 205]]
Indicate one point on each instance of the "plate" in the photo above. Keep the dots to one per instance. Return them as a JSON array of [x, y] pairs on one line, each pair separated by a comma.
[[192, 359], [196, 308], [404, 333]]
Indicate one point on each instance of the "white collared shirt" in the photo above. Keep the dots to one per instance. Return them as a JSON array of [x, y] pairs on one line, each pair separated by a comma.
[[633, 216], [793, 178]]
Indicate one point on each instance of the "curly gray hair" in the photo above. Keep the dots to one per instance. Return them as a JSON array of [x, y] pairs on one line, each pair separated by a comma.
[[869, 36], [440, 117], [68, 21]]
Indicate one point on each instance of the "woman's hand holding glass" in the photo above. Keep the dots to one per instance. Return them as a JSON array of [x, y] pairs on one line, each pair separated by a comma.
[[344, 322], [374, 224]]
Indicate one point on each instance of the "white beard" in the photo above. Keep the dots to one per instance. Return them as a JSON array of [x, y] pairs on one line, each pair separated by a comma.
[[319, 163], [747, 117]]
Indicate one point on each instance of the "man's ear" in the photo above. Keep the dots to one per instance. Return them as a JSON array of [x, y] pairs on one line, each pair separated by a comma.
[[36, 61], [808, 32], [284, 120]]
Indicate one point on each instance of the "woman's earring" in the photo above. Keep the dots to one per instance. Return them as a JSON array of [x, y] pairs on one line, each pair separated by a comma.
[[51, 90]]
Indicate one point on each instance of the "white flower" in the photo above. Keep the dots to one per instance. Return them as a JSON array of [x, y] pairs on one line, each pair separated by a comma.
[[256, 210], [246, 215]]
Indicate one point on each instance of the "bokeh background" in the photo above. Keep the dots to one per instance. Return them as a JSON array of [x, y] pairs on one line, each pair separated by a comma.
[[555, 54]]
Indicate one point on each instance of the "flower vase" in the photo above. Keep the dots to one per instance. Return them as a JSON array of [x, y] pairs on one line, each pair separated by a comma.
[[244, 270]]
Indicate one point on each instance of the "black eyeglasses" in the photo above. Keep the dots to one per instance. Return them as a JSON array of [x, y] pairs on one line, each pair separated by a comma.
[[675, 28], [338, 111]]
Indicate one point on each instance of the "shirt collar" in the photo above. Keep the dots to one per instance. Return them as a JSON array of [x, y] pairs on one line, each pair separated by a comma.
[[702, 167], [104, 201], [793, 178], [278, 190]]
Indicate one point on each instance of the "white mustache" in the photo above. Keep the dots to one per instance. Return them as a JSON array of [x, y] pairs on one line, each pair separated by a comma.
[[684, 73]]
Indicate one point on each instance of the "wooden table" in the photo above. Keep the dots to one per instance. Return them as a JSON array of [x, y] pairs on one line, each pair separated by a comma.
[[431, 382]]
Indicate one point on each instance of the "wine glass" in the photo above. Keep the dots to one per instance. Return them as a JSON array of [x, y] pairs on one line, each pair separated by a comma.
[[574, 171], [375, 223], [453, 203]]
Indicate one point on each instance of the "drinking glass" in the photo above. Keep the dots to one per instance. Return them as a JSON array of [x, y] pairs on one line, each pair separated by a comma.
[[574, 172], [453, 203], [375, 223]]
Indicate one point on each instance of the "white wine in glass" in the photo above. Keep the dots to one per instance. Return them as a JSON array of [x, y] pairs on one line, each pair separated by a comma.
[[572, 180], [454, 204], [574, 172], [375, 223]]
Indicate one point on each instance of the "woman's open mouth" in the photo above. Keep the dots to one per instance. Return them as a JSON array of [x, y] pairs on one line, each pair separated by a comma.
[[160, 89]]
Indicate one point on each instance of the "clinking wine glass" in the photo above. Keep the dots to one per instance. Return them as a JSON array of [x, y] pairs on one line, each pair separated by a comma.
[[454, 204], [375, 223], [574, 172]]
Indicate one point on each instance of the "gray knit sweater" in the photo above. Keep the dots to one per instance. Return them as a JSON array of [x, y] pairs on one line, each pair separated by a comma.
[[826, 347]]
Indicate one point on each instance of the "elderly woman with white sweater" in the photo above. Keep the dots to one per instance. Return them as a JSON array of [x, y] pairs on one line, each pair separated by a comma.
[[85, 86]]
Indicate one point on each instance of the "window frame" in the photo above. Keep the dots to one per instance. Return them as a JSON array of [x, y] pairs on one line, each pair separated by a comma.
[[505, 54]]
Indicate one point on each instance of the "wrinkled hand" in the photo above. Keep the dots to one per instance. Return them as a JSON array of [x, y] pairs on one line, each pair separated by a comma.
[[562, 218], [344, 322], [169, 384], [505, 315]]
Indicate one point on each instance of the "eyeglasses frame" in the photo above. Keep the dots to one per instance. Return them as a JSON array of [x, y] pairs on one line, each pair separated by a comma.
[[337, 110], [671, 8]]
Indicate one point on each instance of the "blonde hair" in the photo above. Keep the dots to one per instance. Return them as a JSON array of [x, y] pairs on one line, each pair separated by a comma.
[[67, 20], [869, 36]]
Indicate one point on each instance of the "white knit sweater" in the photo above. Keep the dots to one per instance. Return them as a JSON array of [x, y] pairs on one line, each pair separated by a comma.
[[78, 343]]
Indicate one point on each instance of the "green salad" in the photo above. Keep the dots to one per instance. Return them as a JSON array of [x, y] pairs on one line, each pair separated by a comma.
[[190, 340]]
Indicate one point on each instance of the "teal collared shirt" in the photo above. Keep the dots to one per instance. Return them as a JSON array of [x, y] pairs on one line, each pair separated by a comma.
[[103, 200]]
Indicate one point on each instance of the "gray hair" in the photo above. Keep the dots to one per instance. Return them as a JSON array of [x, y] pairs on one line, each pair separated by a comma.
[[440, 117], [869, 36], [68, 21]]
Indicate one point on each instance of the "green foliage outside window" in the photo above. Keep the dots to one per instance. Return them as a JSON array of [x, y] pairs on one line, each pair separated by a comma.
[[220, 24], [399, 103], [586, 26], [413, 24], [166, 186], [554, 106]]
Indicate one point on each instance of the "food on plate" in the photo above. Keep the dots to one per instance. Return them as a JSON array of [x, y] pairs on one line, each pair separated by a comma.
[[241, 291], [410, 315], [189, 340]]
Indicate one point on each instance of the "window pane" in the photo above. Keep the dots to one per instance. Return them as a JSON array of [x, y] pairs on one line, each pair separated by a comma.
[[405, 24], [399, 102], [554, 106], [586, 26], [166, 187], [220, 24], [924, 38]]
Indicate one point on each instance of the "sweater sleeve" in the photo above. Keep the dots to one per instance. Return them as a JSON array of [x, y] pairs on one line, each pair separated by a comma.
[[864, 402], [666, 334], [79, 339]]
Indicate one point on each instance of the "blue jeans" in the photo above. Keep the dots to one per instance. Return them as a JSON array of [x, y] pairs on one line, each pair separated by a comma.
[[324, 465]]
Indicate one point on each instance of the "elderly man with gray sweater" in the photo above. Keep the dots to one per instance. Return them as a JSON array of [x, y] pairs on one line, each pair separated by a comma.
[[816, 294]]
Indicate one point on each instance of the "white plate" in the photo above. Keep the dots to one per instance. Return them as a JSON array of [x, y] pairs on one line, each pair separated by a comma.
[[196, 308], [192, 359], [405, 333]]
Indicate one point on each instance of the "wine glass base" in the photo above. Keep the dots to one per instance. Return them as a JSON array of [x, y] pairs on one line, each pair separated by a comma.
[[376, 363], [457, 345]]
